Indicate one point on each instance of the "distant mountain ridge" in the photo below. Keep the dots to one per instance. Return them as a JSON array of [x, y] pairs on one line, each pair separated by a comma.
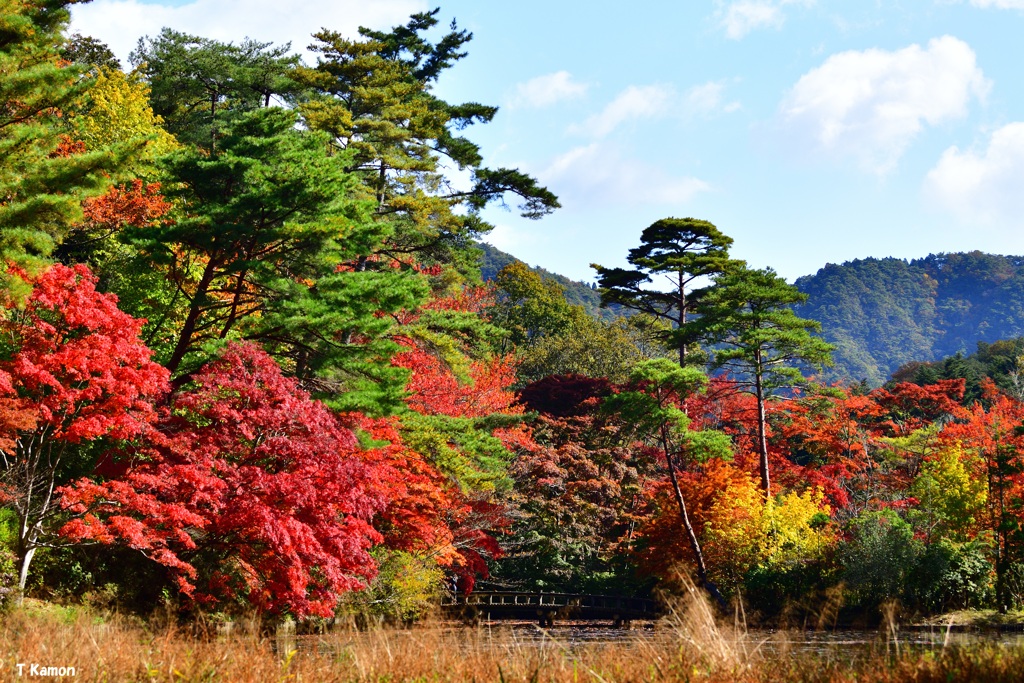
[[882, 313]]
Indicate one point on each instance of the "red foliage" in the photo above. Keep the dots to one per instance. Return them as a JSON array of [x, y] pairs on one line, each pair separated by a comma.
[[911, 406], [426, 512], [78, 365], [418, 495], [136, 205], [435, 390], [663, 546], [67, 147], [250, 486], [73, 369]]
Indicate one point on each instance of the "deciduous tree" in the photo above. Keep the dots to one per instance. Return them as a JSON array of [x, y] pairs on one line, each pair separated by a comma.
[[73, 370], [248, 491]]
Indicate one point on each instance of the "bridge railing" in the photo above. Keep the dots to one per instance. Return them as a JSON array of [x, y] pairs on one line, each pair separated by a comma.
[[509, 599]]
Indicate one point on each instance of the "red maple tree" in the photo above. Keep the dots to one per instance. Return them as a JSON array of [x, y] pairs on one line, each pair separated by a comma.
[[73, 370], [249, 490]]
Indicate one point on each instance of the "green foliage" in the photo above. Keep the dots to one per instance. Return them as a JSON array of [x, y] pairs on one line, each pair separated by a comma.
[[41, 186], [880, 558], [761, 339], [8, 569], [408, 586], [952, 575], [197, 84], [1001, 361], [530, 308], [884, 313], [682, 250], [588, 347], [374, 98], [90, 52], [654, 407], [553, 337], [952, 498], [258, 250], [461, 448]]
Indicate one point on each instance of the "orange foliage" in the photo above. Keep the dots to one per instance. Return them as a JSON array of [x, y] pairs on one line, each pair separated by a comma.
[[136, 205]]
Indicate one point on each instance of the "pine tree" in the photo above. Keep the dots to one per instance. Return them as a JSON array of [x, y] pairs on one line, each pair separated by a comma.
[[197, 84], [682, 250], [762, 340], [44, 174], [374, 96]]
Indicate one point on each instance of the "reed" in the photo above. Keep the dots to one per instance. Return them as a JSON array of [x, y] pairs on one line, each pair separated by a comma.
[[692, 644]]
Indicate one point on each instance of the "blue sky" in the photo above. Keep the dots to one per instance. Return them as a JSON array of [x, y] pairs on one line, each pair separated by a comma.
[[811, 131]]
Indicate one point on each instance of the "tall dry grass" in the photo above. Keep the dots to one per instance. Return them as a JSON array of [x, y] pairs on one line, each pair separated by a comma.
[[692, 644]]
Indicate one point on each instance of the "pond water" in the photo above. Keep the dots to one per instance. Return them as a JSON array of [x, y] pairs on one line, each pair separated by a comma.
[[838, 643]]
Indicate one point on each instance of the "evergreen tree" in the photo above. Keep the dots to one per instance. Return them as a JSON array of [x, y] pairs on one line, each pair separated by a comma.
[[90, 52], [44, 174], [683, 250], [198, 83], [374, 97], [761, 339], [257, 251]]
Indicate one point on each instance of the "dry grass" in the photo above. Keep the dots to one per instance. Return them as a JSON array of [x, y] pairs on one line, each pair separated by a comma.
[[691, 645]]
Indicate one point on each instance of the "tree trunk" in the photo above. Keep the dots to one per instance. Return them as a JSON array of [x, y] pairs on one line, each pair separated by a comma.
[[24, 561], [682, 321], [762, 439], [691, 534], [194, 311]]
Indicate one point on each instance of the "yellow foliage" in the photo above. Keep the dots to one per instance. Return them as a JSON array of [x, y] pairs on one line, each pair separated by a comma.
[[119, 112], [732, 531], [743, 531], [794, 528], [952, 492]]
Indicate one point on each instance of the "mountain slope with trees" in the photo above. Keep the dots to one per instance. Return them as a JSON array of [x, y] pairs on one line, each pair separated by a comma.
[[882, 313]]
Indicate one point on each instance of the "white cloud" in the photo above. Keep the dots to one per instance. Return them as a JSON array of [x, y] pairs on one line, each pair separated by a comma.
[[740, 17], [707, 99], [638, 102], [999, 4], [599, 174], [633, 103], [870, 105], [544, 91], [982, 187], [120, 23]]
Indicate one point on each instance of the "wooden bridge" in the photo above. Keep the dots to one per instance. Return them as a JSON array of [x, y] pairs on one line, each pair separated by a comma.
[[546, 607]]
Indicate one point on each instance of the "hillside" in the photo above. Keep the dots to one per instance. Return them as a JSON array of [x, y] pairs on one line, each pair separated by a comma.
[[577, 293], [882, 313]]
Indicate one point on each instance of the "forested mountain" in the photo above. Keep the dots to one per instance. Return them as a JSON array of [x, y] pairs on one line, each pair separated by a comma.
[[882, 313], [879, 313]]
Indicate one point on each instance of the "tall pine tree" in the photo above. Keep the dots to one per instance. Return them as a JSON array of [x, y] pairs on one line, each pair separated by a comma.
[[676, 251], [374, 96], [761, 341]]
